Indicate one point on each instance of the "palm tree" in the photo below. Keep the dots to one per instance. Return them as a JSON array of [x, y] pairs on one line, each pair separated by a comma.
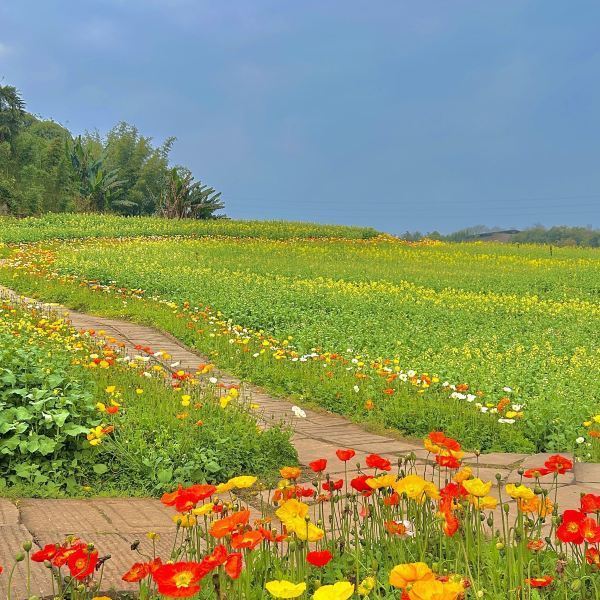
[[184, 198], [12, 109]]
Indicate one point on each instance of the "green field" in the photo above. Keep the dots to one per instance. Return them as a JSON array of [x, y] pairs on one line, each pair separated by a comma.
[[487, 316]]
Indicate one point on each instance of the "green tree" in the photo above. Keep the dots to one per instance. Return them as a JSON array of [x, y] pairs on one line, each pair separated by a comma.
[[142, 166], [184, 198], [12, 110], [97, 184]]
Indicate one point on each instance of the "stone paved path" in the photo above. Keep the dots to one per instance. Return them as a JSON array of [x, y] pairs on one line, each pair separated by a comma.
[[113, 524]]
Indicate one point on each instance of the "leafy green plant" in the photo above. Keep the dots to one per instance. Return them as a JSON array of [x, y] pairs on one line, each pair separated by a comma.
[[45, 407]]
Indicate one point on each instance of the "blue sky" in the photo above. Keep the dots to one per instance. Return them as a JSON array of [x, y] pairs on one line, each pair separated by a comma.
[[396, 114]]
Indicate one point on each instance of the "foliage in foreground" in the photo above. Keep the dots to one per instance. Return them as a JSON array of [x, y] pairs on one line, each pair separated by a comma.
[[441, 533], [77, 415]]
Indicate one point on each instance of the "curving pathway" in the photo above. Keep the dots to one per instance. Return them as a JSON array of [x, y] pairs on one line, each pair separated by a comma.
[[114, 523]]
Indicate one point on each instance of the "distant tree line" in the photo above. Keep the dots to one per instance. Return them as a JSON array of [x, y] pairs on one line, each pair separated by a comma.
[[561, 235], [43, 168]]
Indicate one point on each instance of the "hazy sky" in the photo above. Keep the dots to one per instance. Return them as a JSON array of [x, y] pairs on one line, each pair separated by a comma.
[[396, 114]]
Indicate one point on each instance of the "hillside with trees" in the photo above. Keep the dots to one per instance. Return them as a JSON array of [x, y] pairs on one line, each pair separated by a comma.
[[44, 168]]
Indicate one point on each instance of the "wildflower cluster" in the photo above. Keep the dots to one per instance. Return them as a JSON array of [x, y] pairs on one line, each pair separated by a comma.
[[433, 532]]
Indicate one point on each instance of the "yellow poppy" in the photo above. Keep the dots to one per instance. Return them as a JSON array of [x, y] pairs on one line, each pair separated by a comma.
[[281, 588], [476, 487], [342, 590]]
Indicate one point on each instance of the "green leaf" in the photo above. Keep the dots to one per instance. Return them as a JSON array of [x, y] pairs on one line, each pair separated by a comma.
[[73, 430], [100, 469], [212, 466], [164, 475], [60, 417], [47, 445]]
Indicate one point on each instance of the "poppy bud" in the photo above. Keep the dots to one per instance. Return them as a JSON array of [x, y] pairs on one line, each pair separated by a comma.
[[521, 471], [490, 521], [27, 546], [498, 476], [499, 545], [19, 557]]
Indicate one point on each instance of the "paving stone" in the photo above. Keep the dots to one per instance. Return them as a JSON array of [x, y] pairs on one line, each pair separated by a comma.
[[11, 542], [587, 473], [135, 514], [568, 496], [9, 513], [493, 459], [65, 516], [388, 446]]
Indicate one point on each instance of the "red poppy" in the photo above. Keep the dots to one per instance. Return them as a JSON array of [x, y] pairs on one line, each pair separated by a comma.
[[592, 555], [137, 572], [590, 530], [233, 565], [439, 439], [179, 580], [345, 455], [558, 464], [539, 582], [184, 499], [576, 528], [330, 486], [304, 492], [228, 524], [454, 490], [248, 539], [450, 526], [447, 461], [360, 485], [318, 465], [590, 503], [46, 553], [569, 529], [319, 558], [395, 528], [389, 391], [154, 564], [378, 462], [213, 560], [112, 410], [536, 472], [82, 563], [392, 499], [64, 552]]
